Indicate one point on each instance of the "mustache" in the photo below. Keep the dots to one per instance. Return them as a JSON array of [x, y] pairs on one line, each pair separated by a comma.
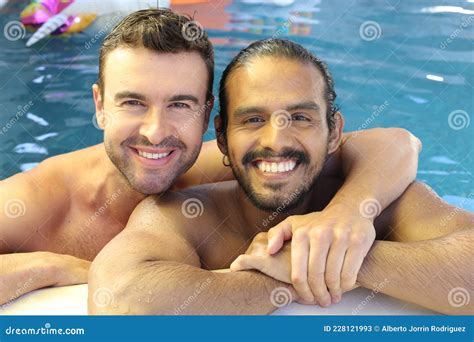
[[170, 141], [285, 153]]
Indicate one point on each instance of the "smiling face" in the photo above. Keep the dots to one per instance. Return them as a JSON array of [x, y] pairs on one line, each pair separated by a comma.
[[277, 133], [153, 113]]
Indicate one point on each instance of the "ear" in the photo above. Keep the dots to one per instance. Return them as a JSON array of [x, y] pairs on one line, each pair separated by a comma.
[[335, 135], [207, 112], [99, 106], [220, 134]]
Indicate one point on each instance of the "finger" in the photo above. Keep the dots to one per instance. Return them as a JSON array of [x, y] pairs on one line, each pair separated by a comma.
[[278, 235], [350, 269], [299, 265], [245, 262], [319, 248], [335, 261]]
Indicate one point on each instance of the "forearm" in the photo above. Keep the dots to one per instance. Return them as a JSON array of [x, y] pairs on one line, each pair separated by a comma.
[[169, 288], [377, 165], [21, 273], [423, 272]]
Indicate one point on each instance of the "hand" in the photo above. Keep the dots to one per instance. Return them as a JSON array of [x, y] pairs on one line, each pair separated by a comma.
[[66, 269], [327, 251], [256, 257]]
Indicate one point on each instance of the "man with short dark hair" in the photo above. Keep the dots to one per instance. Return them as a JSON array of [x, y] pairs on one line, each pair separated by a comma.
[[153, 100], [166, 253]]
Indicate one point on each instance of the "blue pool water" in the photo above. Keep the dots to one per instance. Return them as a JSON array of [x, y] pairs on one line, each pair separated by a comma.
[[395, 63]]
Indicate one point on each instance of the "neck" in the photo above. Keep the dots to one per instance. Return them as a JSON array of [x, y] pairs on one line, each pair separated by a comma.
[[111, 187], [257, 220]]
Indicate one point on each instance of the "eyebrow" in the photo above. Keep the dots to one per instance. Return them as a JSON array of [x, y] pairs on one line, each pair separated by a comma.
[[309, 105], [126, 94], [191, 98]]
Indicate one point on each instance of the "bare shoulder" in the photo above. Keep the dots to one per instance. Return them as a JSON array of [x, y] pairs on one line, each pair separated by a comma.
[[33, 200], [420, 214], [189, 212]]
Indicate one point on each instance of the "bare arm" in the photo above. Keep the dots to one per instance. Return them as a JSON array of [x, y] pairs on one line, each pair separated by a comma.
[[22, 217], [428, 263], [152, 267], [376, 164], [431, 273]]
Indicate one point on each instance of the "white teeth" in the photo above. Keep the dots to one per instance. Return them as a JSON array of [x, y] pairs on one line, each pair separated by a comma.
[[153, 155], [274, 167]]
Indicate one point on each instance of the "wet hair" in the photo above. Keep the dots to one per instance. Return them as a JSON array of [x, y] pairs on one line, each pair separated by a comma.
[[277, 48], [160, 30]]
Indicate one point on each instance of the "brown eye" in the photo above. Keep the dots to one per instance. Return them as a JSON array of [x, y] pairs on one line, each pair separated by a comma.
[[299, 117], [254, 120], [179, 105], [133, 103]]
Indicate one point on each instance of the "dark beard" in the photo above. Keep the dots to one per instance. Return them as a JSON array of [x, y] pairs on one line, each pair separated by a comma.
[[293, 200]]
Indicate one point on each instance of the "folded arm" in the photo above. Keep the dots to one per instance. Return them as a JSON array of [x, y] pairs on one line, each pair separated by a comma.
[[22, 221], [152, 267], [428, 261]]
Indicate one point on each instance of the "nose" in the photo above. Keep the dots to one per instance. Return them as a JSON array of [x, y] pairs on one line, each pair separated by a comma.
[[155, 126], [275, 136]]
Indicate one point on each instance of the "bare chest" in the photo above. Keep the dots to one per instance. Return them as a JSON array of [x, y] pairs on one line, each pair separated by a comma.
[[82, 234]]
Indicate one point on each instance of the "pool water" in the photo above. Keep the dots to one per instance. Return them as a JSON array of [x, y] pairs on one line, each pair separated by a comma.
[[395, 63]]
